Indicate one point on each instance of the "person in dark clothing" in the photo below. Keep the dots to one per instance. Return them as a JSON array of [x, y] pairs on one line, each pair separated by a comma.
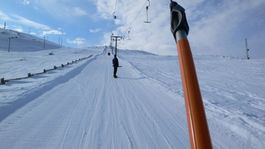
[[115, 63]]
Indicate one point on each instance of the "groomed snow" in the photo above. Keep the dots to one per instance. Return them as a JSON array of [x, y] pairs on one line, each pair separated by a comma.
[[233, 91], [19, 64], [85, 107]]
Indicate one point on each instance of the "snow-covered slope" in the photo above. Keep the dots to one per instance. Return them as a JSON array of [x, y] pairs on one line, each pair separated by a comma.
[[23, 42], [85, 107], [233, 91], [19, 64]]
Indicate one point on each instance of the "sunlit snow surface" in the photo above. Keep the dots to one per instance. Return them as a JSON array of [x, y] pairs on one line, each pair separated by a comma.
[[19, 64], [83, 106], [233, 91]]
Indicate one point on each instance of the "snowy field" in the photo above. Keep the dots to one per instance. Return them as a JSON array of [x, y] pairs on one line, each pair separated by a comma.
[[84, 107]]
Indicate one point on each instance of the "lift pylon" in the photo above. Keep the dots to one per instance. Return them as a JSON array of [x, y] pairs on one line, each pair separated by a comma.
[[116, 39]]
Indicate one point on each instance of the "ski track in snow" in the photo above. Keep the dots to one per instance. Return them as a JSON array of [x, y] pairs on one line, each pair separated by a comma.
[[144, 108], [232, 91], [91, 109], [35, 93]]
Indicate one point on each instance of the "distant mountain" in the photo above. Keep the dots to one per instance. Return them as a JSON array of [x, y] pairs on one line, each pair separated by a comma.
[[23, 42]]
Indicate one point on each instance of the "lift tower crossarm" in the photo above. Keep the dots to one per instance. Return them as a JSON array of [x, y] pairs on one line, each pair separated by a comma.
[[116, 39]]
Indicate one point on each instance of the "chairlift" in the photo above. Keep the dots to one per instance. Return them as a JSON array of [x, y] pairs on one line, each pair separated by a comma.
[[147, 8], [114, 16], [148, 3], [114, 11], [147, 18]]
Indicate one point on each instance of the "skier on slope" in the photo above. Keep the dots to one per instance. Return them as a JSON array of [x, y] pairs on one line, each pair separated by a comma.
[[115, 63]]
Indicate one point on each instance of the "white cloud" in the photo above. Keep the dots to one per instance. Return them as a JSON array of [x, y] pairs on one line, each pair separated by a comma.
[[77, 11], [155, 37], [27, 23], [60, 8], [224, 27], [33, 33], [30, 23], [96, 30], [4, 16], [52, 32], [78, 42], [216, 27], [18, 29], [25, 2]]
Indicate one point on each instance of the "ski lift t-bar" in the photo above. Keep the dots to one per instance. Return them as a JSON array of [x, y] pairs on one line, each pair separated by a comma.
[[179, 24], [197, 123]]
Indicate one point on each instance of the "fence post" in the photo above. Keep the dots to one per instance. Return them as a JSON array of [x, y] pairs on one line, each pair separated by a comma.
[[3, 81]]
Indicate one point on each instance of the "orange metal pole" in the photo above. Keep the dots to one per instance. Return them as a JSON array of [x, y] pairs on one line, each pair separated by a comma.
[[197, 122]]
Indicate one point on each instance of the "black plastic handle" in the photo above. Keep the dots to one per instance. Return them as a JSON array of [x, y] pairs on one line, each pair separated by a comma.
[[178, 18]]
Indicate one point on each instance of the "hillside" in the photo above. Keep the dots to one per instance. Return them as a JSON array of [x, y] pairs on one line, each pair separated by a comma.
[[23, 42]]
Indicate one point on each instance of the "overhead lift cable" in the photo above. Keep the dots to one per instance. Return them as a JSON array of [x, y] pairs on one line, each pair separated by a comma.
[[129, 29]]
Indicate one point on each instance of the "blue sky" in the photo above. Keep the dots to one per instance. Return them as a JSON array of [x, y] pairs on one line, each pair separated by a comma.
[[77, 22], [217, 27]]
